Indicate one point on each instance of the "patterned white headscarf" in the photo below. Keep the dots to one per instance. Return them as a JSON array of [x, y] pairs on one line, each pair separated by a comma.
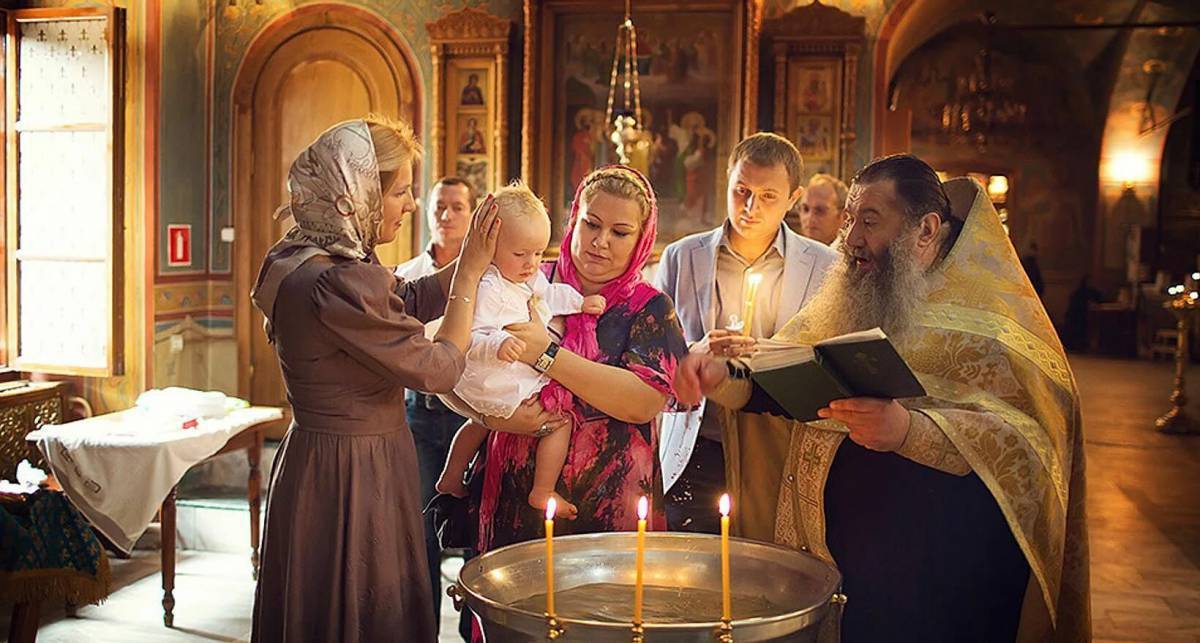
[[336, 202]]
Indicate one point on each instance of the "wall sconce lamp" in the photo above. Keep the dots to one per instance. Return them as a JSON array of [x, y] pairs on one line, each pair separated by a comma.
[[1128, 169], [997, 186]]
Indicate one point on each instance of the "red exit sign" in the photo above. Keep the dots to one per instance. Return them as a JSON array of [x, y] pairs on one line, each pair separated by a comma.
[[179, 244]]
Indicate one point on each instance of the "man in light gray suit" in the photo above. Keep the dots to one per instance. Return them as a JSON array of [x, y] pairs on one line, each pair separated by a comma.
[[705, 275]]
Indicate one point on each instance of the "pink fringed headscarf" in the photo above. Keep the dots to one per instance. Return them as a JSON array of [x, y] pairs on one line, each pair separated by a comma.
[[630, 288]]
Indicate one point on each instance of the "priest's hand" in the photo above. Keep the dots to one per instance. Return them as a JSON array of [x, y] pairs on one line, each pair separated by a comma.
[[696, 376], [877, 424]]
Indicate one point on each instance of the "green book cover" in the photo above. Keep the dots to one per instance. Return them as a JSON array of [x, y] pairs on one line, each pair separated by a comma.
[[805, 379], [802, 388]]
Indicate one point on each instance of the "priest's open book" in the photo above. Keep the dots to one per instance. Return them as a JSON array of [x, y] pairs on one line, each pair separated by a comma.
[[804, 379]]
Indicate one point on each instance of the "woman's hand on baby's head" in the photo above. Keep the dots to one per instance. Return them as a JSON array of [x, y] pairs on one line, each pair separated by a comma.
[[479, 247], [511, 349], [594, 304]]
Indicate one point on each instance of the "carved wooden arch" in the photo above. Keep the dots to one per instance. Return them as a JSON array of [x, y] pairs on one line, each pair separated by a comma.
[[378, 34], [817, 22], [367, 24]]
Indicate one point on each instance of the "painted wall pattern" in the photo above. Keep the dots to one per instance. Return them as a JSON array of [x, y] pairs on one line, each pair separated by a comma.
[[184, 106]]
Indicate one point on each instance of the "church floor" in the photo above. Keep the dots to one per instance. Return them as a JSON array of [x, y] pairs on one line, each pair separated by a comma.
[[1143, 503], [1144, 515]]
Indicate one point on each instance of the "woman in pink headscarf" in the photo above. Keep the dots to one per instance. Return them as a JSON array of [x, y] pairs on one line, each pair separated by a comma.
[[612, 373]]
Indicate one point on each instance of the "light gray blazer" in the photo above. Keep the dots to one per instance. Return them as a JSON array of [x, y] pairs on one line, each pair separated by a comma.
[[687, 273]]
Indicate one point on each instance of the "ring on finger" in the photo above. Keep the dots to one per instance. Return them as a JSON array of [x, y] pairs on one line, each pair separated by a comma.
[[543, 431]]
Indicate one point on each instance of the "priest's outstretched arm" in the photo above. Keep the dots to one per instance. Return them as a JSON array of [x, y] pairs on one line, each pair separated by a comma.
[[922, 441]]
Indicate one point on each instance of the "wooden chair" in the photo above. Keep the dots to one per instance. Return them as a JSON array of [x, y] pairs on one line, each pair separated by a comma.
[[25, 407]]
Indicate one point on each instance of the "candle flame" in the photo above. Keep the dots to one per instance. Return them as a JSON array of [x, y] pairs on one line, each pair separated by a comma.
[[724, 504], [643, 508], [551, 508]]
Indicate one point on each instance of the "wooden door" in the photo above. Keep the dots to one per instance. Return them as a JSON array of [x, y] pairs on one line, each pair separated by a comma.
[[329, 70]]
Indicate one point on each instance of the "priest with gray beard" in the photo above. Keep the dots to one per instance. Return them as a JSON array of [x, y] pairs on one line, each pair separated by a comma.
[[958, 516]]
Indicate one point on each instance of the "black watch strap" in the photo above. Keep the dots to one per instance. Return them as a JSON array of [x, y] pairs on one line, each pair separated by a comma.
[[546, 358]]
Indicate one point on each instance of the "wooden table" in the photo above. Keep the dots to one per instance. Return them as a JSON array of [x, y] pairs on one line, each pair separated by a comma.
[[251, 441]]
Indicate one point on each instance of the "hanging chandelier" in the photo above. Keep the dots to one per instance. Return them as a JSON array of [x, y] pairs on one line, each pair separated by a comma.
[[980, 112], [626, 132]]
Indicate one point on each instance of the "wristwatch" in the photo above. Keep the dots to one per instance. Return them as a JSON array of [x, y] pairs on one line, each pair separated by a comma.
[[546, 359]]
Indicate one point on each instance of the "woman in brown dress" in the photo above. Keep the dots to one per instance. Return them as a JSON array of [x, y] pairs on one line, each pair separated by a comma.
[[343, 554]]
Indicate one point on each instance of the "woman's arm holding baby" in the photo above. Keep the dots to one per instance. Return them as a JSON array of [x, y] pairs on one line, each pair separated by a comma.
[[614, 391], [529, 418]]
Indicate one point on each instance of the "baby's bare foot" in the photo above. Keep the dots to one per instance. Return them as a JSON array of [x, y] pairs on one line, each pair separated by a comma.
[[539, 497], [451, 484]]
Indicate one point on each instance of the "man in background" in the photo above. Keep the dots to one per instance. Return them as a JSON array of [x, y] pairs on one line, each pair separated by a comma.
[[711, 450], [432, 423], [822, 210]]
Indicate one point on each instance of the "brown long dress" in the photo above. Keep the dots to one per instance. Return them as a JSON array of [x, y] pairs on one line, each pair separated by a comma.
[[344, 552]]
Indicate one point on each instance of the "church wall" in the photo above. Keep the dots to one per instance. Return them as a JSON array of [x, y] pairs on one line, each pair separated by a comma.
[[193, 339], [1135, 133], [182, 132], [1051, 161], [1178, 237], [194, 342]]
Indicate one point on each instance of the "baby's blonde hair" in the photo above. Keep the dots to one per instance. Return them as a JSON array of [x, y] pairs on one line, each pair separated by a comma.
[[516, 200]]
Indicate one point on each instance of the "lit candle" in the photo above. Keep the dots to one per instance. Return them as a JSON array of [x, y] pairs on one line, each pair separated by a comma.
[[643, 511], [726, 612], [753, 280], [551, 507]]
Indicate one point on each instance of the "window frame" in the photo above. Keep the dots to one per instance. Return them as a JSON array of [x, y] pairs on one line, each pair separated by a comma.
[[115, 179]]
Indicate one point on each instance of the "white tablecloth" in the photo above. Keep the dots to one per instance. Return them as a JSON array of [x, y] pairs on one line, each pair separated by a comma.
[[117, 468]]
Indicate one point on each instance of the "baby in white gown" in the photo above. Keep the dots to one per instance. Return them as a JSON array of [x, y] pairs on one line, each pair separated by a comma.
[[494, 383]]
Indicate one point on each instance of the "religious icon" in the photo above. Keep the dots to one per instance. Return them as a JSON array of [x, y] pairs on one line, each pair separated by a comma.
[[586, 143], [472, 93], [475, 172], [686, 121], [813, 102], [696, 164], [815, 90], [815, 138], [471, 140]]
